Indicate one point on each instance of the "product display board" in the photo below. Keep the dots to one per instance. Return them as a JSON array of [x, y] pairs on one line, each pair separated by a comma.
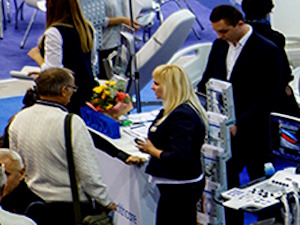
[[217, 150]]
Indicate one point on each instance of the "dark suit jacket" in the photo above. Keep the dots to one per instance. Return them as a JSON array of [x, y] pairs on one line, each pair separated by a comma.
[[180, 136], [255, 79], [288, 104], [278, 39], [19, 199]]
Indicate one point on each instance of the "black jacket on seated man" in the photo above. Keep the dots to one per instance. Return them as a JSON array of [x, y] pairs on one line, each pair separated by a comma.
[[19, 199]]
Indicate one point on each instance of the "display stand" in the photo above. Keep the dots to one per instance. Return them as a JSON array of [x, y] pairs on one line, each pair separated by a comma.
[[217, 150], [128, 41]]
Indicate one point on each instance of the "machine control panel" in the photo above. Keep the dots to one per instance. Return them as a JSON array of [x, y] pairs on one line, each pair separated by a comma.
[[262, 194]]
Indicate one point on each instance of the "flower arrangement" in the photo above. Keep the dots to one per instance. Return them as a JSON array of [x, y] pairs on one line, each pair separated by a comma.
[[111, 99]]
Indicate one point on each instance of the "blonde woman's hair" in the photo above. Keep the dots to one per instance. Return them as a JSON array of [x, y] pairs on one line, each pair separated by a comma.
[[68, 13], [177, 89]]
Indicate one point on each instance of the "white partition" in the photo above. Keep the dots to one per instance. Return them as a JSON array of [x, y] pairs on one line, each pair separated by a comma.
[[285, 17], [128, 187], [14, 87]]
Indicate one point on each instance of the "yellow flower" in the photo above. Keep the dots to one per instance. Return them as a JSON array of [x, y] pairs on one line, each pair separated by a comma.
[[109, 106], [107, 95], [110, 82], [113, 83], [98, 89], [107, 92]]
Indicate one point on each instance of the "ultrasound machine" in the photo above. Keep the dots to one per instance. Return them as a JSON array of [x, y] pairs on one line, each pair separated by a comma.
[[282, 188]]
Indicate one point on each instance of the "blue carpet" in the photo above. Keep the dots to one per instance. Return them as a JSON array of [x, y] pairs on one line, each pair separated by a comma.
[[12, 57], [9, 106]]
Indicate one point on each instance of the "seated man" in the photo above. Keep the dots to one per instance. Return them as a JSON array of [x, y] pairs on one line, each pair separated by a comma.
[[17, 195], [5, 216]]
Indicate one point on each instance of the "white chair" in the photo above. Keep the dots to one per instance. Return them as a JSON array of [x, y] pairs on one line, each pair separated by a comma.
[[285, 18], [295, 84], [193, 59], [167, 39], [2, 16], [38, 5], [292, 49]]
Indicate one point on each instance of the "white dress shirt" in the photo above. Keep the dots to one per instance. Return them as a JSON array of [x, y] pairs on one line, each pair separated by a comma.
[[235, 51]]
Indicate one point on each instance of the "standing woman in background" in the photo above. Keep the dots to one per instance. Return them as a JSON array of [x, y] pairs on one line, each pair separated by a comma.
[[107, 17], [68, 42], [117, 13], [174, 142]]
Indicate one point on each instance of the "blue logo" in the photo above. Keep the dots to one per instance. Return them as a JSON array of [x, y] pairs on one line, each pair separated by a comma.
[[127, 214]]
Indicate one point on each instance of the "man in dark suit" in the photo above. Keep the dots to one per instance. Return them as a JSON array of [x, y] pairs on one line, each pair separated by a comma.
[[253, 65]]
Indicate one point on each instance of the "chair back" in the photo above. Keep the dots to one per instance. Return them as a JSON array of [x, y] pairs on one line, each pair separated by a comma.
[[38, 4], [167, 39], [193, 59], [295, 83]]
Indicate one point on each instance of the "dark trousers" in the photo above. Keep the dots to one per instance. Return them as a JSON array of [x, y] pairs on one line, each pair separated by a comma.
[[253, 160], [288, 104], [58, 213], [177, 203]]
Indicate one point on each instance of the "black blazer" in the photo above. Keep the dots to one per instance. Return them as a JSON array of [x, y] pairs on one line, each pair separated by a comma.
[[278, 39], [256, 79], [180, 136]]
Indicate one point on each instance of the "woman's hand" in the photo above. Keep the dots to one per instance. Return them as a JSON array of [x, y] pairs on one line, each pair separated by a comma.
[[114, 21], [147, 147], [136, 24]]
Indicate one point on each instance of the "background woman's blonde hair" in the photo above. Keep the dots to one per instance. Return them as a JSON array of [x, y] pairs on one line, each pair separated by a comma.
[[177, 89], [68, 13]]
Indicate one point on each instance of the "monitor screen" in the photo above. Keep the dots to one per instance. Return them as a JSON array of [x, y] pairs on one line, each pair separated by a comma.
[[285, 136]]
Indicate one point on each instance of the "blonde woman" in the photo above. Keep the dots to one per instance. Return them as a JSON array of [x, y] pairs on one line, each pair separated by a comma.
[[68, 42], [174, 143]]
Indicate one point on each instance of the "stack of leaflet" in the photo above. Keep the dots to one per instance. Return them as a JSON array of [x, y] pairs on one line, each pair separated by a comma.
[[27, 72]]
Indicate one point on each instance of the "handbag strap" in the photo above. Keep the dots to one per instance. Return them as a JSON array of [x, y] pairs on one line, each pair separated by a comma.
[[71, 168]]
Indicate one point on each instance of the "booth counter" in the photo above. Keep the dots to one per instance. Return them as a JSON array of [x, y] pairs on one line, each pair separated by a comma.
[[127, 185]]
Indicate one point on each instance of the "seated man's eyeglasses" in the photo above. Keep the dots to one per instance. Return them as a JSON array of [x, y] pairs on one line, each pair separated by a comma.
[[75, 88]]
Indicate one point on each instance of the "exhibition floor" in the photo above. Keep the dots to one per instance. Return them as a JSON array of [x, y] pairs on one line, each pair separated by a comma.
[[12, 57]]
